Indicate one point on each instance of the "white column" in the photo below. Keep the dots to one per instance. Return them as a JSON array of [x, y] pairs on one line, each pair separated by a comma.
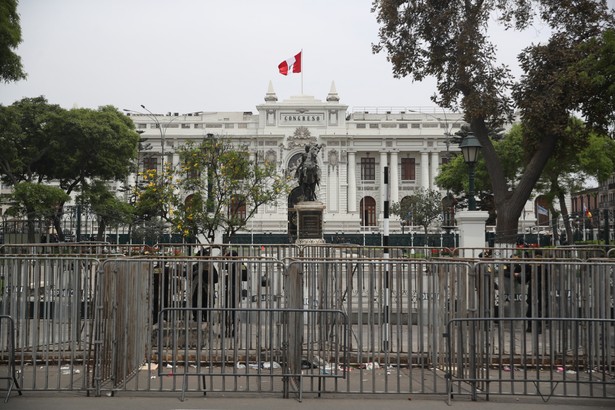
[[132, 179], [425, 170], [352, 183], [333, 194], [435, 161], [383, 163], [175, 164], [394, 180]]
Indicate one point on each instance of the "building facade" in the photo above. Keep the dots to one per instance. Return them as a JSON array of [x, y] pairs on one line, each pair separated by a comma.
[[356, 146]]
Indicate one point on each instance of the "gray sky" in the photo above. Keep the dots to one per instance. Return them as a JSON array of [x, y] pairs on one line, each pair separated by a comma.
[[210, 55]]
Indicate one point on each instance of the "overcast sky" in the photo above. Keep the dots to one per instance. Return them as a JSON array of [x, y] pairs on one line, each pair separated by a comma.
[[210, 55]]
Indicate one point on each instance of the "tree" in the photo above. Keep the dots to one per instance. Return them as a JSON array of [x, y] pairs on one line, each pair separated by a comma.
[[421, 208], [453, 176], [153, 195], [43, 143], [579, 155], [110, 211], [448, 40], [10, 37], [217, 187], [36, 202], [595, 158], [26, 140], [89, 145], [598, 75]]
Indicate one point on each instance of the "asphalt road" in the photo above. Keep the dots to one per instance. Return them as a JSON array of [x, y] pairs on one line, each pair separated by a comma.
[[155, 401]]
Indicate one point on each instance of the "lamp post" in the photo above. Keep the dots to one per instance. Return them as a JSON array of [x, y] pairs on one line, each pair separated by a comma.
[[470, 147], [162, 128]]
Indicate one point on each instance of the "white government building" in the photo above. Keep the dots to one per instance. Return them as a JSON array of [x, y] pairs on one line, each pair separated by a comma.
[[356, 146]]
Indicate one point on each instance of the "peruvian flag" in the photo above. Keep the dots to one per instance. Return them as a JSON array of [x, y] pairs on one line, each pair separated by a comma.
[[294, 62]]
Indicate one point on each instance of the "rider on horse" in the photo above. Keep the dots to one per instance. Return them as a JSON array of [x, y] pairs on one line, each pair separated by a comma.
[[308, 172]]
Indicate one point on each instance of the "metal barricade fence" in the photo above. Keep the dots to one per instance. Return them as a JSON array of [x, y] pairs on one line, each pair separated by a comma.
[[8, 370], [423, 295], [241, 358], [49, 298], [540, 287], [82, 324], [133, 291], [575, 359], [397, 310]]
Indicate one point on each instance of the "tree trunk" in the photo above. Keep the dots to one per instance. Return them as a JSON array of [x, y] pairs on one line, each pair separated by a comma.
[[510, 203], [58, 226], [32, 231], [101, 231]]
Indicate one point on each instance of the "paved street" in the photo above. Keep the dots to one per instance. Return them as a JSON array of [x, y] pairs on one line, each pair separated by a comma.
[[153, 401]]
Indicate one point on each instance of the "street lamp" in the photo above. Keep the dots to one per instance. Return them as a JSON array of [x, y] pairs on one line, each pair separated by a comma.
[[162, 128], [470, 147]]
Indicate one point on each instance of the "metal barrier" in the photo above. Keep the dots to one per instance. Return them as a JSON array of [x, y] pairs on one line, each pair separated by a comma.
[[238, 351], [572, 357], [7, 354], [540, 287], [133, 291], [98, 249], [83, 324], [49, 298], [394, 324]]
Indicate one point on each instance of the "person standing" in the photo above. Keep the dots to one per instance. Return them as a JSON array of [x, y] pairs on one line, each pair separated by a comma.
[[204, 277], [537, 294], [237, 272]]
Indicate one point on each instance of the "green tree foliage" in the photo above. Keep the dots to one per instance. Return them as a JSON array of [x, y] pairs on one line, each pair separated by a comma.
[[597, 74], [448, 40], [223, 189], [10, 37], [581, 154], [453, 175], [43, 143], [35, 202], [109, 209], [421, 208], [26, 140]]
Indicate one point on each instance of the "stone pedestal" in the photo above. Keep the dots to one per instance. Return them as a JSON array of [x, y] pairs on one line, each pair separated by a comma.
[[309, 222], [471, 225]]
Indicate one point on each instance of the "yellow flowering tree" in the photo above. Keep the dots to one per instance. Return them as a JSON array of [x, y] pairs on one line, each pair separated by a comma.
[[217, 187], [222, 187], [153, 196]]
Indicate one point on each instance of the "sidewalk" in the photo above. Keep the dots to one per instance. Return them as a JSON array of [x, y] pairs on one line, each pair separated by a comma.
[[155, 401]]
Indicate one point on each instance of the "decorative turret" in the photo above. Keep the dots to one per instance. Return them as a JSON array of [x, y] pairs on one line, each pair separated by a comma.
[[333, 97], [271, 96]]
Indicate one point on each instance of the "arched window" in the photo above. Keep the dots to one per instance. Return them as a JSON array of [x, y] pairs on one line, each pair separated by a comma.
[[448, 210], [368, 211], [293, 163], [237, 208]]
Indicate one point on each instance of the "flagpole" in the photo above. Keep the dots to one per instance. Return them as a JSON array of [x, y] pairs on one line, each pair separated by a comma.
[[302, 60]]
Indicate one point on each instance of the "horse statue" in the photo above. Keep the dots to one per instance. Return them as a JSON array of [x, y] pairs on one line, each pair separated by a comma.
[[308, 172]]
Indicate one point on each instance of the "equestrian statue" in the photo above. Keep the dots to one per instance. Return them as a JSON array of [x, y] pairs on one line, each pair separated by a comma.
[[308, 172]]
